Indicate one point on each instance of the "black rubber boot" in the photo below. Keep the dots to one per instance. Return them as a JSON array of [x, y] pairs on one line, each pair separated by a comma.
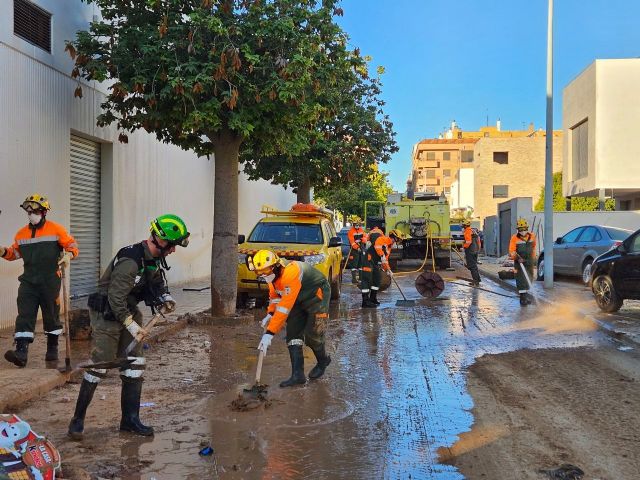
[[297, 367], [76, 427], [323, 362], [530, 298], [52, 348], [18, 356], [354, 277], [524, 301], [373, 297], [366, 302], [130, 405]]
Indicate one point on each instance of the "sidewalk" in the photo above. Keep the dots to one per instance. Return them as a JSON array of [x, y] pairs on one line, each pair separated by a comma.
[[623, 325], [20, 385]]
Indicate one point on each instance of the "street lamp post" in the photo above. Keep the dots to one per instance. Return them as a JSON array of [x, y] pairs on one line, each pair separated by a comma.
[[548, 174]]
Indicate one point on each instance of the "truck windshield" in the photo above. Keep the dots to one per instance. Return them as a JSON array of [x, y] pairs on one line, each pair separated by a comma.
[[272, 232]]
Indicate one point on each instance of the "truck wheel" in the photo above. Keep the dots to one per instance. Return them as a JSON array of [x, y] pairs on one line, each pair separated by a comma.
[[336, 285]]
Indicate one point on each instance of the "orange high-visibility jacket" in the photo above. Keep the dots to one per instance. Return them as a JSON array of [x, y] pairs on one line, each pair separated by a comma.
[[356, 237], [40, 248], [468, 237], [517, 240], [299, 282]]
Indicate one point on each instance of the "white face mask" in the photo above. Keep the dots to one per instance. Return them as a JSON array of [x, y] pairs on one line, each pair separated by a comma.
[[34, 218], [268, 278]]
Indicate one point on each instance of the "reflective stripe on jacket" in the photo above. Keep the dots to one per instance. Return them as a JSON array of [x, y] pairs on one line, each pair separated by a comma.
[[523, 246], [40, 248]]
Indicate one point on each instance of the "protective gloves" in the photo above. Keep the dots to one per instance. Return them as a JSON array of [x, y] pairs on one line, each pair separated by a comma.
[[2, 251], [134, 329], [265, 321], [65, 259], [168, 303], [265, 342]]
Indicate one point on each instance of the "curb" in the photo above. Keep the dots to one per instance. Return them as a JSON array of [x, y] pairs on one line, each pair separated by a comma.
[[605, 327], [13, 401]]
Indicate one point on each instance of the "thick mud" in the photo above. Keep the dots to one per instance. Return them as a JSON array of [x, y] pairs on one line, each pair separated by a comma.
[[394, 395]]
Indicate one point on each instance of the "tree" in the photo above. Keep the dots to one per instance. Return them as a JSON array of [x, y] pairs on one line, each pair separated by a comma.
[[576, 204], [341, 147], [349, 199], [210, 76]]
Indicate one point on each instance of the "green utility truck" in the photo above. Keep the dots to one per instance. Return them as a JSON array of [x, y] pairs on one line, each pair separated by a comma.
[[425, 222]]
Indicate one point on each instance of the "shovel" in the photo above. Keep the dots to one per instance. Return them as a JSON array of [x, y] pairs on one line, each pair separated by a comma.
[[124, 361], [404, 302], [259, 390]]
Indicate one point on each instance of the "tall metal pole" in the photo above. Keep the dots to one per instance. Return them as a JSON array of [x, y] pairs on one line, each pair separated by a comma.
[[548, 174]]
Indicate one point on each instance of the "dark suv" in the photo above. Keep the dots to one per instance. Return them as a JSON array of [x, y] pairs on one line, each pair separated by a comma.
[[616, 275]]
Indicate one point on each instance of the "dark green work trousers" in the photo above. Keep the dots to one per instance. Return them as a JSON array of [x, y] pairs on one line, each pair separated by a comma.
[[43, 295], [307, 321]]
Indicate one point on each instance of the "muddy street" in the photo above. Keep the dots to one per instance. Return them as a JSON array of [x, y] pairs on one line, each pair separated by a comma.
[[465, 386]]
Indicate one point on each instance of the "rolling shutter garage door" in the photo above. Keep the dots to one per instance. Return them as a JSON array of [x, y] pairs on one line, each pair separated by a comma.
[[85, 214]]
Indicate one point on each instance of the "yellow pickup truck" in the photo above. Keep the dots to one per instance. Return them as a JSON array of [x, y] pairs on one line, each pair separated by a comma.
[[305, 233]]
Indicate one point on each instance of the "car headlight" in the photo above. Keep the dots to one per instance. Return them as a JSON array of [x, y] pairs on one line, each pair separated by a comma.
[[314, 259], [242, 258]]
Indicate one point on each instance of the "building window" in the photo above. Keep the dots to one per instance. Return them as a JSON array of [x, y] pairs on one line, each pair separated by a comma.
[[486, 134], [500, 191], [431, 173], [32, 23], [580, 150], [431, 155], [501, 157], [430, 190], [447, 190], [459, 134], [446, 172], [467, 156], [446, 155]]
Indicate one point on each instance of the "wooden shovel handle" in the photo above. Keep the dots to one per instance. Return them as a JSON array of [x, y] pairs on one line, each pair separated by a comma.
[[259, 368]]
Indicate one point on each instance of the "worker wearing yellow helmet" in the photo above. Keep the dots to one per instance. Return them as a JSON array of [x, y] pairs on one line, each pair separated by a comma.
[[299, 297], [522, 249], [471, 248], [357, 239], [44, 246]]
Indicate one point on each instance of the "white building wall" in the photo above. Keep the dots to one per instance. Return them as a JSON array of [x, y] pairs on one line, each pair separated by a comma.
[[462, 195], [607, 94], [141, 179]]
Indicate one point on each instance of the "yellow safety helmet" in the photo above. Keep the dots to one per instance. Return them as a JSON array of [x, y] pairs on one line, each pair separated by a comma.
[[396, 233], [466, 222], [263, 260], [522, 224], [36, 202]]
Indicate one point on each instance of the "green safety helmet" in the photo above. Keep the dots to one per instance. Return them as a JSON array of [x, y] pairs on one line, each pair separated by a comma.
[[171, 228]]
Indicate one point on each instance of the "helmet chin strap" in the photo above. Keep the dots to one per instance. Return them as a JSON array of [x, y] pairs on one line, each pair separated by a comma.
[[163, 251]]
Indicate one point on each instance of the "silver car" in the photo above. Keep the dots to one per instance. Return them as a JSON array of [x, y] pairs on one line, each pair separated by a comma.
[[574, 252]]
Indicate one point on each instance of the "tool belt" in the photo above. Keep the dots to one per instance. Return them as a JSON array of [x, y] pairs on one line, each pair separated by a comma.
[[100, 303]]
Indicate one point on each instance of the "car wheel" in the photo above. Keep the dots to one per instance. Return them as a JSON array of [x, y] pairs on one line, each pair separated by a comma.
[[586, 271], [540, 272], [336, 285], [605, 294]]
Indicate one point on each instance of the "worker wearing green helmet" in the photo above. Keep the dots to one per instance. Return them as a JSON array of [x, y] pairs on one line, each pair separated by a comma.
[[137, 273]]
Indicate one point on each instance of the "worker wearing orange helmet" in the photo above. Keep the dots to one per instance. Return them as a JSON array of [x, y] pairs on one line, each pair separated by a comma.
[[357, 239], [44, 246], [299, 296]]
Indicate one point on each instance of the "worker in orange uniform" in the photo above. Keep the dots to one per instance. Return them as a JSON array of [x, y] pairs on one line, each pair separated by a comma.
[[376, 260], [299, 297], [44, 246], [357, 239], [522, 249], [471, 248]]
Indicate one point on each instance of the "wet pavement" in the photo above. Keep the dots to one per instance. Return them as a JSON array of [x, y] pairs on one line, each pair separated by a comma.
[[394, 394]]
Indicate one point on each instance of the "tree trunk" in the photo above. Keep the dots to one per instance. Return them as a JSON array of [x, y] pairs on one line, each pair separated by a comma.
[[224, 250], [304, 190]]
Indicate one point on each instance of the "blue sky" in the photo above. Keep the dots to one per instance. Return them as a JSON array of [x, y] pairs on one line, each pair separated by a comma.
[[467, 59]]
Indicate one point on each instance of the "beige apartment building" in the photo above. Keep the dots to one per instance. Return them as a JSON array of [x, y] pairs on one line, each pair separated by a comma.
[[436, 162], [505, 168]]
